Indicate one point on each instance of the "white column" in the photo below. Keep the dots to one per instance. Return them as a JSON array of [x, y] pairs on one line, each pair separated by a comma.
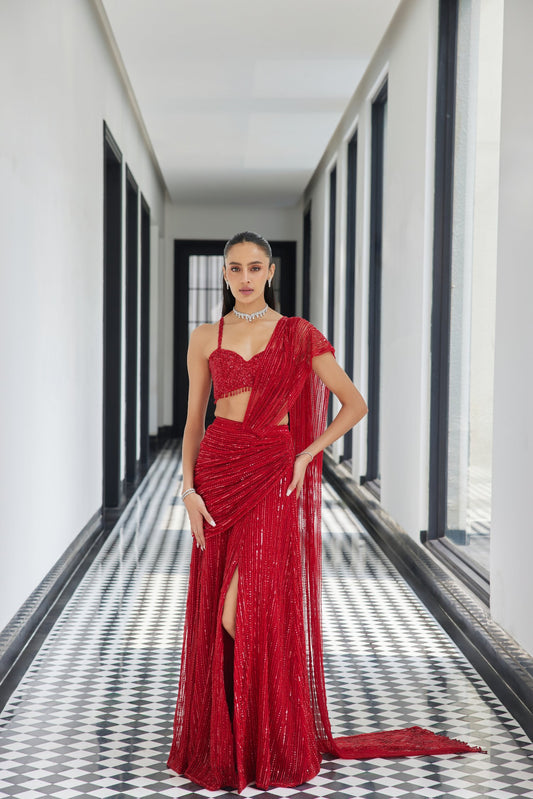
[[512, 534]]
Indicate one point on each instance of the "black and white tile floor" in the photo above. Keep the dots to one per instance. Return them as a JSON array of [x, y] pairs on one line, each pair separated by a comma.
[[92, 716]]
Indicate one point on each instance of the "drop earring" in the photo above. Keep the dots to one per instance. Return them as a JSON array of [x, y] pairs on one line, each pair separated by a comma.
[[269, 282], [227, 284]]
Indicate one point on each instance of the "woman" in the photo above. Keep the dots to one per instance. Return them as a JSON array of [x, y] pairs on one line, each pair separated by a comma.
[[251, 701]]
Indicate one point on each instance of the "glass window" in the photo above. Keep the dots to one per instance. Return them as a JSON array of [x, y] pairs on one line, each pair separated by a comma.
[[205, 289], [372, 478], [349, 287], [473, 280], [331, 267]]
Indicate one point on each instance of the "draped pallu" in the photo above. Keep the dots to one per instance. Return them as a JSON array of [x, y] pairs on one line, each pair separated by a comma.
[[255, 710]]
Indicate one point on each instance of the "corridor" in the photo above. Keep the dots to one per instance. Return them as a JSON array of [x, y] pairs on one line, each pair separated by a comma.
[[92, 716], [381, 151]]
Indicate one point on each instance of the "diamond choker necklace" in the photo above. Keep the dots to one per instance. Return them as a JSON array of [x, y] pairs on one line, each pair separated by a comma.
[[250, 316]]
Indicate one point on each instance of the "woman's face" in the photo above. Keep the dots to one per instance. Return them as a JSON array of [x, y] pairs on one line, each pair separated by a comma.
[[247, 270]]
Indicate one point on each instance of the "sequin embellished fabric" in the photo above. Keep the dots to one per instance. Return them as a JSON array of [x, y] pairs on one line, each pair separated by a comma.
[[255, 710], [231, 373]]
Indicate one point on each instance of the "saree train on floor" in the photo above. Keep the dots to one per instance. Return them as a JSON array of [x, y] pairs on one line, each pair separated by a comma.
[[269, 724]]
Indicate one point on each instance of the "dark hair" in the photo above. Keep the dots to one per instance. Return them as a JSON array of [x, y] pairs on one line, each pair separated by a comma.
[[228, 300]]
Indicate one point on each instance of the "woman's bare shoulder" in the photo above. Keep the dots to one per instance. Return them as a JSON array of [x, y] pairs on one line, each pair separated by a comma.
[[202, 338], [206, 329]]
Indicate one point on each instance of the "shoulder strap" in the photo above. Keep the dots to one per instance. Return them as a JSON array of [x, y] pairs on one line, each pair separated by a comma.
[[220, 328]]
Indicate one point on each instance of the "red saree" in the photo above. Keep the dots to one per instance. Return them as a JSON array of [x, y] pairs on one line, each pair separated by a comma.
[[255, 710]]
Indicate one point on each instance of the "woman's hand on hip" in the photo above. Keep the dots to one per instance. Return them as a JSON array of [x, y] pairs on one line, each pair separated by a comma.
[[300, 466], [197, 513]]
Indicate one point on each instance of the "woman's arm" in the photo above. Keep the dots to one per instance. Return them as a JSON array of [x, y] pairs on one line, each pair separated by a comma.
[[199, 388], [353, 408]]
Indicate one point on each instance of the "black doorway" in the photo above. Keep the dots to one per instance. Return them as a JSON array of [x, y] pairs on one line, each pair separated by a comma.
[[132, 277], [283, 253], [144, 332], [306, 276], [112, 316]]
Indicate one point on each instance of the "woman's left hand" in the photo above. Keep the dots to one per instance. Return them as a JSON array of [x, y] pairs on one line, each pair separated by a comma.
[[300, 466]]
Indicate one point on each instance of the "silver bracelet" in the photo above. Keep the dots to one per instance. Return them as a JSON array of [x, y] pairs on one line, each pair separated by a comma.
[[305, 452], [189, 491]]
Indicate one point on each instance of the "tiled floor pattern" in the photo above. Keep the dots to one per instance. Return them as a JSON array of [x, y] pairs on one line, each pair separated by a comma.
[[92, 717]]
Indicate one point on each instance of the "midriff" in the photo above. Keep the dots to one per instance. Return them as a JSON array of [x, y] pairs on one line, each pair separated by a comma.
[[234, 407]]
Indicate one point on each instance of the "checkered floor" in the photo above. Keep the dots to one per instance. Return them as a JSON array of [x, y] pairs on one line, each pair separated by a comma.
[[92, 717]]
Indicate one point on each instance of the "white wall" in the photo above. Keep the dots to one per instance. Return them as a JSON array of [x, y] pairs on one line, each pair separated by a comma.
[[212, 222], [512, 535], [407, 54], [222, 221], [58, 82]]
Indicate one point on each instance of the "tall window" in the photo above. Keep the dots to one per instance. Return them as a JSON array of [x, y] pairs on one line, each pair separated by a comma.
[[379, 125], [349, 311], [473, 282], [331, 252], [465, 278]]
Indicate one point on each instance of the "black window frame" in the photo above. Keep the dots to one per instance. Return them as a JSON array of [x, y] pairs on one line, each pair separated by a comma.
[[132, 291], [379, 104], [349, 287], [112, 488], [306, 263], [144, 342], [332, 232]]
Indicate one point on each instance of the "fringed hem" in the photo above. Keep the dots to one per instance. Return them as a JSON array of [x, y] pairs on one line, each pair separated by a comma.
[[241, 390], [408, 742]]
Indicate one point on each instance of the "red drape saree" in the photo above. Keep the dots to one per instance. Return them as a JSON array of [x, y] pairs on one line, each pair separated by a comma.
[[255, 710]]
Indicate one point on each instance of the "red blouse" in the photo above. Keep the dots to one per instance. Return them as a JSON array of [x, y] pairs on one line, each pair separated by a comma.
[[230, 372]]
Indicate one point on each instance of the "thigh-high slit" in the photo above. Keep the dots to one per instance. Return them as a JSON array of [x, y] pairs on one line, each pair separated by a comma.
[[271, 718]]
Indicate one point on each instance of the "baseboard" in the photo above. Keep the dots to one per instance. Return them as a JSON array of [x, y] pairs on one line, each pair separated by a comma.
[[28, 621], [505, 667]]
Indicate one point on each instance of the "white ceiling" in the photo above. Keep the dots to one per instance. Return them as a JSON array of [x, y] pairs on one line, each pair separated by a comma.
[[240, 97]]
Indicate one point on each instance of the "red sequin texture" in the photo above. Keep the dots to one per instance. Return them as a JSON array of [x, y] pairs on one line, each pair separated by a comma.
[[231, 373], [255, 710]]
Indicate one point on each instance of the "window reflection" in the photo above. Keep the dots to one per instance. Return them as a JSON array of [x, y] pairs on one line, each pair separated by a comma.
[[473, 291]]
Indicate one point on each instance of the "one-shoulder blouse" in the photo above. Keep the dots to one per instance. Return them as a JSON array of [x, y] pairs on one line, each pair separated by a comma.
[[233, 374]]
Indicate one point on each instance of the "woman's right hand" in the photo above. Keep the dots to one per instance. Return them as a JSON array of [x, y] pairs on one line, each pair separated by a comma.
[[197, 513]]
